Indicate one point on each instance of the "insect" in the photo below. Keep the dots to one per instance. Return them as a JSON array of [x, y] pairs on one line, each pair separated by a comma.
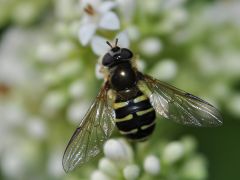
[[130, 100]]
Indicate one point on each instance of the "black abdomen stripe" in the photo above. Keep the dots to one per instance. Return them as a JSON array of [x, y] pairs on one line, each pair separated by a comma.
[[135, 118], [132, 108], [136, 122]]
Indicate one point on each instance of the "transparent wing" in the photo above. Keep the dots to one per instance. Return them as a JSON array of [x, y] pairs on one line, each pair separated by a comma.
[[93, 131], [180, 106]]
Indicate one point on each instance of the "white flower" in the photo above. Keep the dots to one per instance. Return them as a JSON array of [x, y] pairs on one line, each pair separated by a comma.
[[77, 88], [65, 48], [131, 172], [165, 70], [99, 175], [50, 77], [37, 128], [133, 32], [97, 15], [189, 144], [221, 90], [19, 154], [118, 150], [173, 152], [53, 102], [12, 114], [14, 68], [98, 71], [50, 53], [214, 16], [152, 165], [12, 163], [195, 168], [174, 18], [68, 68], [54, 164], [77, 110], [108, 167], [47, 53], [178, 16], [151, 46]]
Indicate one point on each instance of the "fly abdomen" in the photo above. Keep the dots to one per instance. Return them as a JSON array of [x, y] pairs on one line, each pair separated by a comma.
[[135, 118]]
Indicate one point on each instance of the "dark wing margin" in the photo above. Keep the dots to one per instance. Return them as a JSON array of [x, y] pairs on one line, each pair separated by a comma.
[[178, 105], [94, 129]]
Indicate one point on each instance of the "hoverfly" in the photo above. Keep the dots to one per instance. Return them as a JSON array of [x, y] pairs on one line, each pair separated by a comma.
[[130, 100]]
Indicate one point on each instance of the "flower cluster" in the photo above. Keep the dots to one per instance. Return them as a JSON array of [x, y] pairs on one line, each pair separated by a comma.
[[121, 161], [49, 75], [98, 16]]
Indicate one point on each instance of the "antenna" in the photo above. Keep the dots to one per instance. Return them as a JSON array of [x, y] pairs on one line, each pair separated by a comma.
[[116, 42], [108, 43]]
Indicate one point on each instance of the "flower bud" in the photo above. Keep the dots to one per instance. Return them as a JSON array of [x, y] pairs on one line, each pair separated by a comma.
[[173, 152], [99, 175], [165, 70], [108, 167], [53, 102], [68, 68], [77, 89], [131, 172], [151, 46], [73, 113], [189, 144], [47, 53], [152, 165], [118, 150], [36, 128], [194, 168]]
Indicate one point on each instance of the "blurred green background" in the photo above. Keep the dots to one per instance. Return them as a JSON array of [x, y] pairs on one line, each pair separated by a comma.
[[49, 77]]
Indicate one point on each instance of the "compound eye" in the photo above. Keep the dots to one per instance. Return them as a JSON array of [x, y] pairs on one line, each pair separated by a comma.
[[107, 59], [126, 53]]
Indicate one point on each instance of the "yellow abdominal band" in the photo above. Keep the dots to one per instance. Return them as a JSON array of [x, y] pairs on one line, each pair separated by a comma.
[[126, 118]]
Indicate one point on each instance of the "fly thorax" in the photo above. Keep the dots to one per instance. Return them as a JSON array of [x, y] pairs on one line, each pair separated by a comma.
[[122, 77]]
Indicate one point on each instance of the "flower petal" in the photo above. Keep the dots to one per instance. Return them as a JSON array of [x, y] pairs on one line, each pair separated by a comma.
[[86, 33], [107, 6], [98, 71], [99, 45], [109, 21], [123, 39]]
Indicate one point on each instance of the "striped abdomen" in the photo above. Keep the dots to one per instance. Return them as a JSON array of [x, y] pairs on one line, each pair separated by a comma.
[[135, 118]]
